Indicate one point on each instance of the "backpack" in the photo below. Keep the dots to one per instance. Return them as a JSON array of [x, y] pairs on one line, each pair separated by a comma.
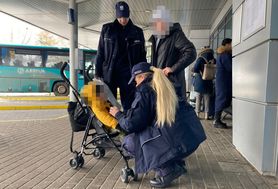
[[209, 69]]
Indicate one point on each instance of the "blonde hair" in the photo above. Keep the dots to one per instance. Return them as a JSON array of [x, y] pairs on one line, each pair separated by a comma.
[[167, 100]]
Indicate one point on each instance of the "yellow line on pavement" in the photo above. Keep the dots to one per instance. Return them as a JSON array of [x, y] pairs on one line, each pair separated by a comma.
[[34, 98], [41, 107], [47, 119]]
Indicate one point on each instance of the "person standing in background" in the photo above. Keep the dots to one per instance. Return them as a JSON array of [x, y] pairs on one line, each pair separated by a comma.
[[223, 86], [204, 88], [171, 50]]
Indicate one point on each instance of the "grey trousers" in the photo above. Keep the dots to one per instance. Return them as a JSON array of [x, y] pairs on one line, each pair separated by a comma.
[[199, 99]]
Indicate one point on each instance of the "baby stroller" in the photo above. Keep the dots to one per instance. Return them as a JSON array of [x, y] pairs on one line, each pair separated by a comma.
[[96, 136]]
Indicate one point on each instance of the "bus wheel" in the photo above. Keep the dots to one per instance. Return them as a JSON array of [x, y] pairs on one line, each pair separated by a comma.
[[61, 89]]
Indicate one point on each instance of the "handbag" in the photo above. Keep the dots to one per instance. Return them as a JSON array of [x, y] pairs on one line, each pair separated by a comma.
[[209, 69]]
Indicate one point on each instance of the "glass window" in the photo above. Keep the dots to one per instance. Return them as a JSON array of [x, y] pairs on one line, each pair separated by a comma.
[[229, 15], [214, 44], [221, 32], [221, 36], [221, 25], [21, 57], [58, 53], [7, 56], [228, 29], [56, 61], [224, 30], [26, 60], [211, 43], [215, 41], [90, 60]]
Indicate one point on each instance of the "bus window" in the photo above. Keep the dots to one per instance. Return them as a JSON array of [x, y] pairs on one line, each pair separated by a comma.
[[23, 60], [54, 61], [5, 57], [89, 60]]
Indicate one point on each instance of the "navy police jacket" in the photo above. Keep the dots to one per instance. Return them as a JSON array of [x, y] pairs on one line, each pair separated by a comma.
[[155, 146], [108, 49]]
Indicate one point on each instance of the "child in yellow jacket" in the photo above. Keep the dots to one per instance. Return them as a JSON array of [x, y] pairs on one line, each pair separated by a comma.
[[95, 97]]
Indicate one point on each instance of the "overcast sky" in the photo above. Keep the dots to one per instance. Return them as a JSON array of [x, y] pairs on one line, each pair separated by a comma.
[[14, 31]]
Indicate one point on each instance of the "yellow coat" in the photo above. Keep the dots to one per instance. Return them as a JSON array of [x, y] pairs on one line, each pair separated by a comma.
[[99, 106]]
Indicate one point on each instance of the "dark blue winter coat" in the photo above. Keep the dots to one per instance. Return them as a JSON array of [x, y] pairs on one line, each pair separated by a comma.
[[200, 85], [223, 83], [155, 146], [110, 52]]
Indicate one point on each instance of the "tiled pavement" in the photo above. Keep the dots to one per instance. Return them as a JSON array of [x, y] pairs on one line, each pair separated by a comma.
[[35, 153]]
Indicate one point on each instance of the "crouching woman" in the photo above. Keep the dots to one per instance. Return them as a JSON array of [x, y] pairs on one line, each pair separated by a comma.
[[162, 129]]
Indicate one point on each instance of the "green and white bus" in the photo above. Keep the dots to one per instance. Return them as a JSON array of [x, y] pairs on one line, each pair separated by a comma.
[[37, 68]]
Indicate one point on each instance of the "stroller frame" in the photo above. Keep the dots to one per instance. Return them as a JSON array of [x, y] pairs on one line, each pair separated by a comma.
[[98, 150]]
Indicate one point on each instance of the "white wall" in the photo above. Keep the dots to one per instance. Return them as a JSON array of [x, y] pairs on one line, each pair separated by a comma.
[[255, 92]]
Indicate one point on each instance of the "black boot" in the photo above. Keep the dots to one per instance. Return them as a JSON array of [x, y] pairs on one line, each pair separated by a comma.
[[164, 181], [217, 122], [220, 124], [182, 164]]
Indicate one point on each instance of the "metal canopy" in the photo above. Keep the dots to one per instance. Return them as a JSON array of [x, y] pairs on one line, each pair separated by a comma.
[[51, 15]]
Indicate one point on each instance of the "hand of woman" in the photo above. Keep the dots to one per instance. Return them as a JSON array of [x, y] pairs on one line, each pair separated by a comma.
[[167, 70], [114, 110]]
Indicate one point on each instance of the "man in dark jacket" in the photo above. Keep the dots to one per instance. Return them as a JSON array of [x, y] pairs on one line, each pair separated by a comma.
[[223, 82], [121, 45], [171, 50]]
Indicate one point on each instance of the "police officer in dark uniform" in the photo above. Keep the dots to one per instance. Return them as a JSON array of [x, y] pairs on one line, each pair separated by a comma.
[[121, 46], [156, 140]]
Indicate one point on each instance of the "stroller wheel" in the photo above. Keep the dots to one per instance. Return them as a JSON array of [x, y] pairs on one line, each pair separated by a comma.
[[124, 175], [99, 152], [73, 163], [126, 172], [133, 175], [81, 161]]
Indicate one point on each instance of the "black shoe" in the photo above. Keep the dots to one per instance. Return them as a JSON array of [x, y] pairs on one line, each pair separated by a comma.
[[159, 182], [220, 124], [162, 182], [182, 165]]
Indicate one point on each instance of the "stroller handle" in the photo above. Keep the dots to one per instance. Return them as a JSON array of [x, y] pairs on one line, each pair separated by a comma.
[[64, 65], [87, 72], [66, 80]]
